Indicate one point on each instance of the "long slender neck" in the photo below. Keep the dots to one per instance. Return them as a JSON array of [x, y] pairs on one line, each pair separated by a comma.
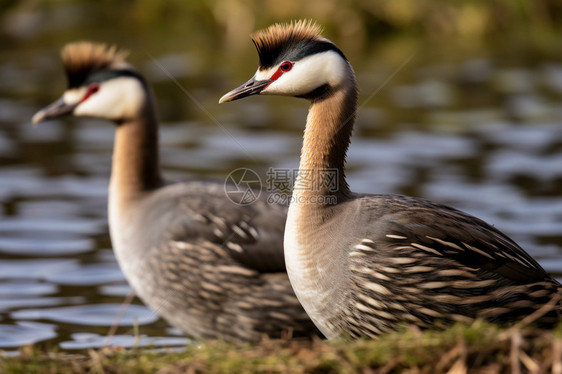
[[326, 138], [313, 234], [135, 168]]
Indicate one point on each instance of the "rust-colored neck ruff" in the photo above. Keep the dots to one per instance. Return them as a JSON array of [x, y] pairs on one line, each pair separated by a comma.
[[316, 227], [326, 139], [135, 169]]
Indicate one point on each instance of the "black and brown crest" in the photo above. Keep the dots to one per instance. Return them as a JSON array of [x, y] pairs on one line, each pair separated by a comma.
[[290, 41], [81, 59]]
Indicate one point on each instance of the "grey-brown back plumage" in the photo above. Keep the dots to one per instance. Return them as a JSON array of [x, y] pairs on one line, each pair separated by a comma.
[[428, 264], [215, 269]]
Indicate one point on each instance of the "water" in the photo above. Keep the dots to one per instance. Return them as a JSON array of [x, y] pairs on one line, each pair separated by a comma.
[[473, 134]]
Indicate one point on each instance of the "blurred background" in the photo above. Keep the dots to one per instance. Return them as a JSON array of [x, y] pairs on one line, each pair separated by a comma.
[[460, 102]]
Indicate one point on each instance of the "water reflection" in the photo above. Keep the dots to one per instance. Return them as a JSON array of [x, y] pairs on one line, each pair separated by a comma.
[[36, 268], [86, 341], [92, 315], [24, 333], [91, 274]]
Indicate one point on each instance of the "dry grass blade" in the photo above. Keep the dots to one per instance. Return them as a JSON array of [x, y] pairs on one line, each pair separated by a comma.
[[458, 368], [458, 353], [537, 314], [514, 353], [529, 363], [557, 356]]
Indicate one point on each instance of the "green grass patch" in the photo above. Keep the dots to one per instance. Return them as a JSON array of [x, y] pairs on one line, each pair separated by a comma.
[[478, 348]]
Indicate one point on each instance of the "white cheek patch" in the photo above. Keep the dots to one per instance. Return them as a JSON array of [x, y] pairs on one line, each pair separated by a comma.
[[116, 99], [74, 96], [310, 73], [263, 75]]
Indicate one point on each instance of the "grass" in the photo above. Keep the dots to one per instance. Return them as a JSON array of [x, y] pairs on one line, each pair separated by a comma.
[[478, 348]]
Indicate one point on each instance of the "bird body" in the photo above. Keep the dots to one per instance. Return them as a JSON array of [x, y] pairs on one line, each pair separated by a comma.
[[364, 264], [409, 261], [209, 275], [210, 267]]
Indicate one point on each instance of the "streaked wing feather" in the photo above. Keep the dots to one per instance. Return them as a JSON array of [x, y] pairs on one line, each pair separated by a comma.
[[458, 236], [251, 234]]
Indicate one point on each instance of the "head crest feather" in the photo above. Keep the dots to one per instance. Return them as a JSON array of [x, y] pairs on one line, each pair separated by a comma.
[[280, 38], [81, 59]]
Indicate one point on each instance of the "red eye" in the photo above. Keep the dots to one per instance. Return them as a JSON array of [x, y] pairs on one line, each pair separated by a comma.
[[286, 66], [92, 89]]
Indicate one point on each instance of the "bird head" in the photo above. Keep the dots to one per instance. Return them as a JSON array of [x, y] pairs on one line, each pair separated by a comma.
[[101, 84], [294, 60]]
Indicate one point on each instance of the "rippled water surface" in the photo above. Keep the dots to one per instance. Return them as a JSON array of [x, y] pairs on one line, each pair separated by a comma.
[[480, 134]]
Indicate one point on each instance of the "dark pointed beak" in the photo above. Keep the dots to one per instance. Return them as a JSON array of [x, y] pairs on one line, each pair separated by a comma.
[[54, 110], [251, 87]]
